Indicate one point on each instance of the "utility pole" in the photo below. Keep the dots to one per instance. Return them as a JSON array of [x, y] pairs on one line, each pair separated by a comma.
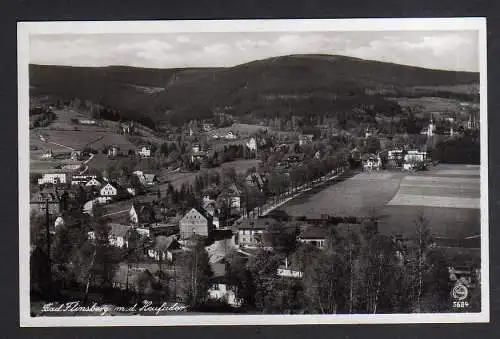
[[175, 278], [47, 229], [46, 202]]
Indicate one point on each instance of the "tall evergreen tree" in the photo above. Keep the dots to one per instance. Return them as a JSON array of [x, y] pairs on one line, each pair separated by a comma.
[[193, 274]]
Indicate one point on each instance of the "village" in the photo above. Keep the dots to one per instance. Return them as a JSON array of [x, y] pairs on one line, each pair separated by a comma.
[[222, 192]]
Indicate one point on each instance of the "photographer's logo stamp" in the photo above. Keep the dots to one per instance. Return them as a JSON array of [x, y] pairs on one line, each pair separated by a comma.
[[459, 293]]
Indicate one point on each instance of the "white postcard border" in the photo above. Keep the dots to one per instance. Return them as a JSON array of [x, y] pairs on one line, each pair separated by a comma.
[[302, 25]]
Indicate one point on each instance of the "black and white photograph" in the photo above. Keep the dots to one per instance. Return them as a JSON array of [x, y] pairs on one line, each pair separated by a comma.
[[252, 172]]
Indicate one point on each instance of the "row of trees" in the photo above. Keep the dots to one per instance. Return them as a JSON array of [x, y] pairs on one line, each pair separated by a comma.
[[306, 174], [360, 271], [463, 150]]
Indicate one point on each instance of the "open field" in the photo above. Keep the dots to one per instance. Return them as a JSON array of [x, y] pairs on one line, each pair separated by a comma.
[[447, 196], [44, 166], [455, 187], [80, 139], [361, 195], [444, 222], [61, 137], [62, 142], [68, 135]]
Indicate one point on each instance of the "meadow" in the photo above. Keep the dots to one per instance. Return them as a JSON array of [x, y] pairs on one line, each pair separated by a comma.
[[80, 139], [364, 194], [447, 196]]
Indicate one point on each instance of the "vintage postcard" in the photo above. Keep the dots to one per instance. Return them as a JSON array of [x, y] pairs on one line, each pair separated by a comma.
[[246, 172]]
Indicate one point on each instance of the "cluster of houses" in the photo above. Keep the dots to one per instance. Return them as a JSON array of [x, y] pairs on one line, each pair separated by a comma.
[[103, 190], [142, 151], [165, 237], [53, 178], [243, 237], [111, 151], [407, 160], [162, 246]]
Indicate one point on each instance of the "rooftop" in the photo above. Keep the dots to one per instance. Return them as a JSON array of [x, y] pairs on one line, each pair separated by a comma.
[[259, 224], [314, 232], [118, 230], [163, 243]]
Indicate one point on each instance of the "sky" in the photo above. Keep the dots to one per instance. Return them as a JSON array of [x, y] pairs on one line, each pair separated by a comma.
[[447, 50]]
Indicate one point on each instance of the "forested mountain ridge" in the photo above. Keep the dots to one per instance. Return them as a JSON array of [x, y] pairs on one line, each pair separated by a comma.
[[302, 84]]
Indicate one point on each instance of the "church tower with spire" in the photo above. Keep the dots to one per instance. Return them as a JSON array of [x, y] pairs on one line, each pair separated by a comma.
[[431, 128]]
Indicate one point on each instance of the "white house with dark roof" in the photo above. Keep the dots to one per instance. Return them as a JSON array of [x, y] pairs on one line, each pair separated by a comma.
[[288, 270], [52, 178], [232, 195], [48, 155], [81, 179], [150, 179], [108, 192], [144, 151], [113, 151], [87, 122], [164, 248], [371, 162], [314, 235], [117, 236], [93, 183], [252, 144], [221, 289], [250, 232]]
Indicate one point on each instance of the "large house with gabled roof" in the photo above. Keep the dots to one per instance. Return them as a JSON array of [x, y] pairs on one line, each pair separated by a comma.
[[195, 222]]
